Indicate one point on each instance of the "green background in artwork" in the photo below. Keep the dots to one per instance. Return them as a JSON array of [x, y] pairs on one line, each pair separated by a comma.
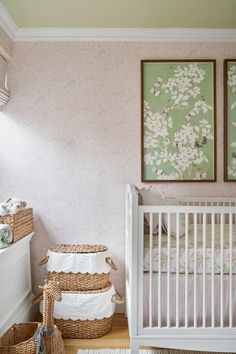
[[151, 70], [231, 118]]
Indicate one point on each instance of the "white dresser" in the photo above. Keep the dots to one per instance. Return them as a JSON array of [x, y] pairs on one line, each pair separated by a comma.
[[15, 284]]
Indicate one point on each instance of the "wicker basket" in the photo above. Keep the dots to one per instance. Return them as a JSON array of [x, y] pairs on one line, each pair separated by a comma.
[[87, 328], [34, 337], [18, 339], [21, 223], [84, 329], [79, 281]]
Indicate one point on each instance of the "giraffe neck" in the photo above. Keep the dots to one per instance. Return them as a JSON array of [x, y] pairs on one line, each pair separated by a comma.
[[48, 321]]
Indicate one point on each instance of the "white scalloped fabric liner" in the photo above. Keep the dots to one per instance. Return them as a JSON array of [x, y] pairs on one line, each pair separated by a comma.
[[78, 262], [74, 306]]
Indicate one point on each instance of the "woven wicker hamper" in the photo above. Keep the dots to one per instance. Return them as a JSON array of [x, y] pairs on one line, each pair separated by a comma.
[[79, 267], [84, 329], [18, 339], [70, 312], [31, 337], [21, 223]]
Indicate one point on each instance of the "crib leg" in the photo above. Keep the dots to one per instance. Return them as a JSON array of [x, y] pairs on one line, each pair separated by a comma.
[[134, 347]]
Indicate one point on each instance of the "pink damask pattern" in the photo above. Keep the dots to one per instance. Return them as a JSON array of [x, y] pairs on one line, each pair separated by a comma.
[[71, 138]]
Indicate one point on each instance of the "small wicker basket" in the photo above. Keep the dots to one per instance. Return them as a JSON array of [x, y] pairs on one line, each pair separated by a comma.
[[21, 223], [18, 339], [34, 337], [70, 281]]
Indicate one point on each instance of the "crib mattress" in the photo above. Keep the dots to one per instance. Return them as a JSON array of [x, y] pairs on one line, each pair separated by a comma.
[[208, 251]]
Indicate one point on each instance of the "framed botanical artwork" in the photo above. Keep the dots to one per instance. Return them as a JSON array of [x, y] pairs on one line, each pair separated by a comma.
[[178, 104], [230, 120]]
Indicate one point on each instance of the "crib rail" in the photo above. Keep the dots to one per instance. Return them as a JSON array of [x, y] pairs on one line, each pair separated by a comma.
[[190, 268], [181, 289], [199, 201]]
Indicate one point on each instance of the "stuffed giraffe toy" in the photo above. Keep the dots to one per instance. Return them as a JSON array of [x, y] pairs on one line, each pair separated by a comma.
[[49, 340]]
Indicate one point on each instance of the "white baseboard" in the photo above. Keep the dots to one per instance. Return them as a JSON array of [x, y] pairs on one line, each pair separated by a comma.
[[24, 312]]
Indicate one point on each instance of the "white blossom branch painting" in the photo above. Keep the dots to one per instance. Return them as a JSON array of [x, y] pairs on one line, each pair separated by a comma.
[[178, 120], [230, 119]]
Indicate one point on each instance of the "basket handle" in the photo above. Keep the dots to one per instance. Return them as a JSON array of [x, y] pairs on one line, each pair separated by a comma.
[[117, 298], [43, 261], [111, 263], [14, 326], [37, 298]]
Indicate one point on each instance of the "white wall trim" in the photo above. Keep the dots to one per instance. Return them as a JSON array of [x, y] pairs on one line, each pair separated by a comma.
[[24, 311], [7, 23], [126, 34]]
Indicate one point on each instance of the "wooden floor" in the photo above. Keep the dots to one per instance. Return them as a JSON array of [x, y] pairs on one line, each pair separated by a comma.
[[118, 337]]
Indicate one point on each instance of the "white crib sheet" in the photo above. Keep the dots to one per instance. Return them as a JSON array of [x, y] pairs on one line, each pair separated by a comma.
[[199, 297], [217, 263]]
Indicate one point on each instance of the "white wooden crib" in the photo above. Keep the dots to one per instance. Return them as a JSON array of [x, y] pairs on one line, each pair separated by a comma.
[[181, 291]]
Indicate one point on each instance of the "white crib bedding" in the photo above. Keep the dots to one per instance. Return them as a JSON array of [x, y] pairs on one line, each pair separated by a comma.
[[182, 240], [199, 299]]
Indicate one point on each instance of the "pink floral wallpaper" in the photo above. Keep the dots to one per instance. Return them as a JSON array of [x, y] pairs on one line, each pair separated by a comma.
[[70, 138]]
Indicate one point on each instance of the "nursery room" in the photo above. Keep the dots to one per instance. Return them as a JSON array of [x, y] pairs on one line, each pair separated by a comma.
[[117, 176]]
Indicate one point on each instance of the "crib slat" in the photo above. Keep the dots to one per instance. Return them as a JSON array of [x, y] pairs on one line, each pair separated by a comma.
[[212, 270], [140, 248], [168, 271], [211, 204], [195, 273], [221, 269], [234, 215], [177, 270], [200, 216], [150, 267], [217, 216], [204, 273], [159, 268], [230, 268], [186, 270], [206, 215]]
